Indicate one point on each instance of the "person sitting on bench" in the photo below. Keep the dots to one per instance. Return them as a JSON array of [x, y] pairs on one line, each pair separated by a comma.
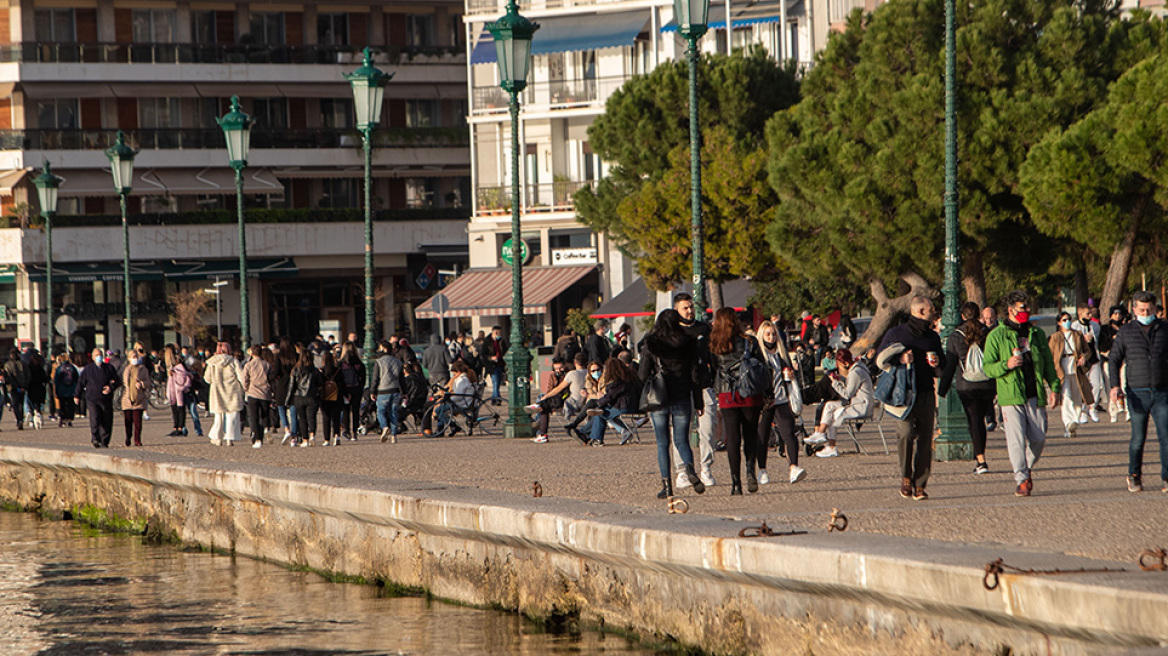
[[854, 385]]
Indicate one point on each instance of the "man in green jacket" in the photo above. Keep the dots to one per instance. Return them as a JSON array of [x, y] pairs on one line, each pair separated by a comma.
[[1018, 358]]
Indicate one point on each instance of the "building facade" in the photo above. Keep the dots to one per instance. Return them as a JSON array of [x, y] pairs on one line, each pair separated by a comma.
[[75, 72]]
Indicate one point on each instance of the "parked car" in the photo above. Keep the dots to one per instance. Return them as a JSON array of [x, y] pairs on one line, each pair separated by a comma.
[[861, 324]]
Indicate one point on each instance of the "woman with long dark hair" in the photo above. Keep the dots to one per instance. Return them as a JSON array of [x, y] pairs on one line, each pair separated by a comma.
[[286, 358], [353, 377], [304, 387], [977, 396], [673, 353], [332, 398], [728, 346], [619, 383]]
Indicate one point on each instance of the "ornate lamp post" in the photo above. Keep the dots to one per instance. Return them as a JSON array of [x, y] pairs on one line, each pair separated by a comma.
[[954, 442], [691, 18], [368, 93], [121, 159], [237, 128], [47, 185], [512, 34]]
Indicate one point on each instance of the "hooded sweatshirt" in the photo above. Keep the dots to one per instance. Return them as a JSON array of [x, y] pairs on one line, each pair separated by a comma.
[[436, 359]]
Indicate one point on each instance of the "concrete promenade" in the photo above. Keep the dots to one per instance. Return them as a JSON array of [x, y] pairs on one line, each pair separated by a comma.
[[906, 569]]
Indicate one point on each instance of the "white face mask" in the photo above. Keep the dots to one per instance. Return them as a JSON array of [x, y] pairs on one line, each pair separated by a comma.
[[136, 361]]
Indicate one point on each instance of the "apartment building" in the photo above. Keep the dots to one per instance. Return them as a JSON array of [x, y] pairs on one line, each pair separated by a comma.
[[583, 52], [75, 72]]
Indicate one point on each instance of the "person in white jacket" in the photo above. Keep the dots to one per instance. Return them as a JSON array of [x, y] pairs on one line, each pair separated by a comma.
[[225, 401], [854, 385]]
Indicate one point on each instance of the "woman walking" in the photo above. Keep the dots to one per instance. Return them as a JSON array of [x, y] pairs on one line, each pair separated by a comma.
[[136, 385], [304, 397], [257, 385], [65, 378], [178, 385], [729, 346], [975, 389], [330, 399], [673, 353], [224, 377], [780, 410], [1070, 351], [286, 359], [353, 383]]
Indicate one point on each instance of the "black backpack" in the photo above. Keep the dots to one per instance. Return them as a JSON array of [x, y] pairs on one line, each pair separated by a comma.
[[751, 376]]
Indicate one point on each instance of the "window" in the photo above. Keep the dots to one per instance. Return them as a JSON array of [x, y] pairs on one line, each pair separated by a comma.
[[332, 29], [423, 114], [57, 114], [208, 109], [339, 192], [419, 193], [56, 25], [154, 25], [159, 204], [158, 113], [270, 113], [336, 113], [203, 30], [420, 30], [268, 28]]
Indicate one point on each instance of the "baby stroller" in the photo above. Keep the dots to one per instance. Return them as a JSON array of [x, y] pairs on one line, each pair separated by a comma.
[[367, 420]]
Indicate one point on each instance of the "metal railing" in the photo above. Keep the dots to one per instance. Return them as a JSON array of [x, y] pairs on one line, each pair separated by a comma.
[[264, 215], [189, 53], [546, 197], [556, 94], [499, 6], [212, 138]]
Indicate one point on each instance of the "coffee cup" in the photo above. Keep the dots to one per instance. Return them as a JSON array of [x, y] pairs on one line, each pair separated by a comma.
[[932, 358]]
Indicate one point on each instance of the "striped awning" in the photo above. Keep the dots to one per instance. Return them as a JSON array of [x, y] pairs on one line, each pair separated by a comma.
[[487, 292]]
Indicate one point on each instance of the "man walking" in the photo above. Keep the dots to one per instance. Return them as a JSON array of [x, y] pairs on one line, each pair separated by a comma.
[[708, 421], [385, 390], [1018, 358], [597, 346], [436, 359], [922, 346], [17, 376], [98, 381], [1143, 346]]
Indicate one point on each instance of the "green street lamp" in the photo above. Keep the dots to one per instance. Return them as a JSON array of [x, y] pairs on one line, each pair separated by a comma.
[[368, 93], [237, 128], [954, 442], [512, 34], [691, 18], [47, 185], [121, 159]]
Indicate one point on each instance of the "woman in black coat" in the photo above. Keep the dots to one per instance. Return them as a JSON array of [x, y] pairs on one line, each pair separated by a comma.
[[672, 352]]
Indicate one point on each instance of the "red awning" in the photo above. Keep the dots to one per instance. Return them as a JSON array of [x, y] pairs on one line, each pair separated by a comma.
[[487, 292]]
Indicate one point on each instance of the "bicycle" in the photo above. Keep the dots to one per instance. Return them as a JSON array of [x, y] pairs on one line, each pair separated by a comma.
[[445, 411]]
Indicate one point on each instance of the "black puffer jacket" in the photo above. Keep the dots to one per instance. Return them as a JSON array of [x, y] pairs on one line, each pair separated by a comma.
[[677, 361], [956, 350], [305, 383], [1144, 350]]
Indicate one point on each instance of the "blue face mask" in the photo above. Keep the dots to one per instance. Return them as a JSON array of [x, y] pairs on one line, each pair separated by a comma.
[[596, 375], [1146, 320], [1066, 325]]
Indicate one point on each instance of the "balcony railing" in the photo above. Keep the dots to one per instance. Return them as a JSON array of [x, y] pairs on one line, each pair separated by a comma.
[[187, 53], [558, 94], [212, 138], [547, 197], [499, 6], [265, 215]]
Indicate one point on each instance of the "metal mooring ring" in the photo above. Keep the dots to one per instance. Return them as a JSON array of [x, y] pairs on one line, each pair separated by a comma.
[[1154, 554], [536, 489], [678, 506], [839, 521]]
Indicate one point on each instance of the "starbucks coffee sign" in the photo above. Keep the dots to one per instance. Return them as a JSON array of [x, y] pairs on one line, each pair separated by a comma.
[[524, 253]]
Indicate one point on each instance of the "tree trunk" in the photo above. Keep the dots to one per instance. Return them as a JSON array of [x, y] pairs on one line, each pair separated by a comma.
[[973, 277], [1081, 292], [887, 309], [714, 294], [1121, 259]]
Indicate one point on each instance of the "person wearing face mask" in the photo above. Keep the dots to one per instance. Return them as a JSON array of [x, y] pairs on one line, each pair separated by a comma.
[[1142, 345], [588, 396], [1069, 349], [1117, 317], [781, 408], [1018, 358], [96, 386], [922, 353], [136, 380]]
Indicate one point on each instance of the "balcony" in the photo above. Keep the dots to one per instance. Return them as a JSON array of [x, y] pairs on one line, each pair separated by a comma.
[[212, 138], [263, 215], [560, 94], [186, 53], [500, 6], [537, 198]]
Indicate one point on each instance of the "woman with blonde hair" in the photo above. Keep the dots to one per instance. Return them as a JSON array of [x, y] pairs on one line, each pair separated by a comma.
[[781, 408]]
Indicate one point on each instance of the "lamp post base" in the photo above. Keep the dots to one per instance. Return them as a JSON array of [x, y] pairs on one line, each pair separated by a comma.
[[518, 361], [954, 442]]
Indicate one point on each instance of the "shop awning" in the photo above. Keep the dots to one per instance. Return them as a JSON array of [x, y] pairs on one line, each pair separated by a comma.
[[9, 179], [487, 292], [8, 274], [179, 270], [632, 301], [745, 13], [94, 271], [176, 182], [572, 33]]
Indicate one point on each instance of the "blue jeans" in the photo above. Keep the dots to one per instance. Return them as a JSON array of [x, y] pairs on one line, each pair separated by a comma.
[[1141, 403], [193, 411], [600, 422], [678, 414], [288, 420], [387, 405], [496, 382]]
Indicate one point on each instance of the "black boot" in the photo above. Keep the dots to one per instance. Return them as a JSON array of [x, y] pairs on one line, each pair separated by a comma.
[[666, 489], [735, 487], [751, 480], [696, 482]]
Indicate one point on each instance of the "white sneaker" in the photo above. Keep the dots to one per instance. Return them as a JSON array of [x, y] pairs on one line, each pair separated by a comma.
[[257, 445], [145, 416], [828, 452], [763, 479], [707, 478], [216, 441], [1083, 418], [540, 439], [287, 436], [534, 407], [816, 438], [797, 474], [682, 481], [1094, 414], [1127, 417]]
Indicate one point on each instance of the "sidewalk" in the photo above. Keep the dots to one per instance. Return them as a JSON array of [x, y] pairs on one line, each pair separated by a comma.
[[1080, 504]]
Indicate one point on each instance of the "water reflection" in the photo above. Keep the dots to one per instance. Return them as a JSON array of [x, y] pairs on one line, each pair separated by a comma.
[[67, 590]]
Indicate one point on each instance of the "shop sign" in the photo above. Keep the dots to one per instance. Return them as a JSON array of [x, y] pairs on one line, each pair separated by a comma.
[[100, 311], [3, 313], [569, 256], [524, 252]]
